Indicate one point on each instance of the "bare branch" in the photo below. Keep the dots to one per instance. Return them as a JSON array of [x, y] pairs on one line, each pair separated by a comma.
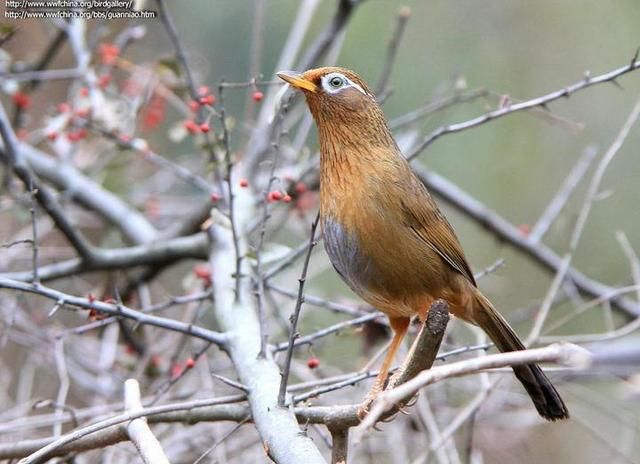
[[46, 199], [542, 101], [594, 185], [116, 310], [138, 431], [340, 446], [566, 354], [133, 225], [296, 314], [154, 253], [277, 426], [563, 195], [401, 22]]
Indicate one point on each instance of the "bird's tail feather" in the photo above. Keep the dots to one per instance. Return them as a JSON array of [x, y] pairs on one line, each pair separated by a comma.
[[542, 392]]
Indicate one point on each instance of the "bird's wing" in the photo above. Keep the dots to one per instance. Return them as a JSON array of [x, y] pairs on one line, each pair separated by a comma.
[[422, 216]]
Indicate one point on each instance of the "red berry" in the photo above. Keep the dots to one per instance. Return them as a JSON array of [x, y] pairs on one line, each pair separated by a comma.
[[207, 100], [64, 107], [52, 136], [84, 92], [203, 90], [194, 105], [191, 126], [287, 198], [103, 81], [312, 363], [244, 183], [204, 127], [189, 363], [21, 100], [257, 96], [203, 272], [301, 187], [274, 196], [215, 198], [109, 53]]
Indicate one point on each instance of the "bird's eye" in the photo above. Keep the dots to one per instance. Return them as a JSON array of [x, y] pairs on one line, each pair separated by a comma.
[[336, 82]]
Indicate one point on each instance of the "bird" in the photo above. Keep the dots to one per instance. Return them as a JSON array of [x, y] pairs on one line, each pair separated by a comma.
[[384, 233]]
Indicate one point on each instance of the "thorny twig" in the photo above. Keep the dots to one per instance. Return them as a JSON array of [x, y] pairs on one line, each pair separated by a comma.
[[296, 314], [542, 102]]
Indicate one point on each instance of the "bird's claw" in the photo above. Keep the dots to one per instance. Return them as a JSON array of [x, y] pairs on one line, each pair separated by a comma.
[[363, 410]]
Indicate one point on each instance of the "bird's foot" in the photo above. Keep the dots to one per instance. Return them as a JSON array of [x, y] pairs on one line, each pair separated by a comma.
[[363, 410]]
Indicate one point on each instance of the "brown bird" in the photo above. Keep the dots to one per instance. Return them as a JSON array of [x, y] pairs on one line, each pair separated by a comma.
[[384, 233]]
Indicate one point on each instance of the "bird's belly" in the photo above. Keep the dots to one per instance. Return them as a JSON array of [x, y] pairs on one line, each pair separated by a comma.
[[386, 273], [346, 255]]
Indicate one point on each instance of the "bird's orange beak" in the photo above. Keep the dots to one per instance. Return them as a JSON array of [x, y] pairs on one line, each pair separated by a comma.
[[297, 80]]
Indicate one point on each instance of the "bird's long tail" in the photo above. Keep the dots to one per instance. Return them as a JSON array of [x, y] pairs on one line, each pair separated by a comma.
[[542, 392]]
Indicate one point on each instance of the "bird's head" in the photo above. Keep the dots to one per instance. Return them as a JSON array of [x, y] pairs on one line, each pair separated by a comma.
[[342, 105], [332, 92]]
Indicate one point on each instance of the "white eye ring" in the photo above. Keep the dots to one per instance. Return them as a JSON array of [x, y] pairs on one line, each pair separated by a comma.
[[336, 82]]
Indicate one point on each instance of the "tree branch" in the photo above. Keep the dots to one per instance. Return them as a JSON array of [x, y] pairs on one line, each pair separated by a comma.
[[116, 310], [138, 431], [46, 199], [542, 102], [281, 436], [154, 253], [566, 354], [133, 225]]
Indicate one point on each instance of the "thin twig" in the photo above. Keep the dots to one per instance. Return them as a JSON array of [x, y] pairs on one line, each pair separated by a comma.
[[221, 440], [231, 197], [632, 257], [115, 420], [542, 102], [401, 22], [34, 234], [601, 168], [296, 314], [266, 214], [116, 310], [46, 199], [309, 339], [563, 195]]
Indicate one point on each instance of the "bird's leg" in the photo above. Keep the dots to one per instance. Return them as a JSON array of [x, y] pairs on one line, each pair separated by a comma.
[[399, 326], [422, 316], [423, 312]]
